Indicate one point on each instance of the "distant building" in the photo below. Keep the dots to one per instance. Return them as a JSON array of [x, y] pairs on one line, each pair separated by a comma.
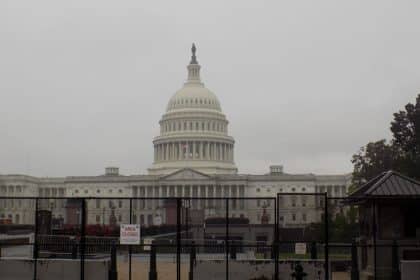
[[193, 157]]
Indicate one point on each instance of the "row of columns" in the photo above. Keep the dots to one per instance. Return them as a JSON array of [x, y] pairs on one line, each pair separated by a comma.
[[170, 126], [222, 191], [193, 150]]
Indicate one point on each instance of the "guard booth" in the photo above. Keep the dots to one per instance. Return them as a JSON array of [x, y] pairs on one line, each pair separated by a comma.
[[389, 209]]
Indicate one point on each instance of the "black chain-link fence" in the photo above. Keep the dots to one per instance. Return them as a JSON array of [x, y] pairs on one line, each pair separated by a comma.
[[290, 236]]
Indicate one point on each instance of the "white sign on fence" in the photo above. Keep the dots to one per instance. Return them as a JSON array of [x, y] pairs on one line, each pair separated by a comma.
[[300, 248], [129, 234]]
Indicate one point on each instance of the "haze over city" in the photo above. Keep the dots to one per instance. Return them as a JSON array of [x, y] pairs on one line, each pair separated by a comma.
[[304, 84]]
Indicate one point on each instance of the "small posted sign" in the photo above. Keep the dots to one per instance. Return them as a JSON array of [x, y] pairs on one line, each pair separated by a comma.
[[300, 248], [129, 234]]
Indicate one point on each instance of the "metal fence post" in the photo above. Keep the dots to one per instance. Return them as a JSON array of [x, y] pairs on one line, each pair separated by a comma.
[[326, 265], [113, 270], [192, 262], [227, 239], [314, 253], [354, 262], [276, 240], [396, 275], [152, 268], [129, 246], [178, 238], [74, 249], [374, 239], [35, 245], [82, 239]]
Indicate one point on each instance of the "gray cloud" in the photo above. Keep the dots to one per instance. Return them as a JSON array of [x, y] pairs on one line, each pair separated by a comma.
[[305, 84]]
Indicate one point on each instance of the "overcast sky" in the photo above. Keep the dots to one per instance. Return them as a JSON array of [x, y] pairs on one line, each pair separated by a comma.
[[83, 83]]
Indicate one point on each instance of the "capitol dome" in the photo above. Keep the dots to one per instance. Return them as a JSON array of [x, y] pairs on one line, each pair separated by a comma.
[[193, 131], [193, 96]]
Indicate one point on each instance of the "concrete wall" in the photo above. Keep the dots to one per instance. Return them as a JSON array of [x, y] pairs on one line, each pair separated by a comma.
[[215, 270], [53, 269], [410, 270]]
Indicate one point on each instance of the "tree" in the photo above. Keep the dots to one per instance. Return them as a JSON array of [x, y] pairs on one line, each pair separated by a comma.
[[406, 138], [401, 154], [371, 160]]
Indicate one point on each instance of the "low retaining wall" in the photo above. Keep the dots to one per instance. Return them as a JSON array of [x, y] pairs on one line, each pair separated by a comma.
[[410, 270], [215, 270], [53, 269]]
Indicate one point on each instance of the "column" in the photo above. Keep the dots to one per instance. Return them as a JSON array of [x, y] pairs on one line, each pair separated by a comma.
[[169, 151], [214, 148], [156, 194], [173, 151], [201, 150], [194, 149], [179, 150], [233, 155]]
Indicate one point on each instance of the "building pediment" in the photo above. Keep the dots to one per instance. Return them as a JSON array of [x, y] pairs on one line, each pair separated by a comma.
[[186, 174]]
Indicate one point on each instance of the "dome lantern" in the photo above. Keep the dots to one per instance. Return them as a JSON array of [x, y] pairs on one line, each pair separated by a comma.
[[193, 68]]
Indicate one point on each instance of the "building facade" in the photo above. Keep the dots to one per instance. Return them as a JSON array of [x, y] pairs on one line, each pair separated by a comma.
[[193, 157]]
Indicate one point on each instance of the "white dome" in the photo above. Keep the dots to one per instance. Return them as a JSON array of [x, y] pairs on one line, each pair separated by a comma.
[[193, 131], [193, 96]]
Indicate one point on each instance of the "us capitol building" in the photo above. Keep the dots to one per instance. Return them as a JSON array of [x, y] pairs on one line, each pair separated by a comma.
[[193, 157]]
